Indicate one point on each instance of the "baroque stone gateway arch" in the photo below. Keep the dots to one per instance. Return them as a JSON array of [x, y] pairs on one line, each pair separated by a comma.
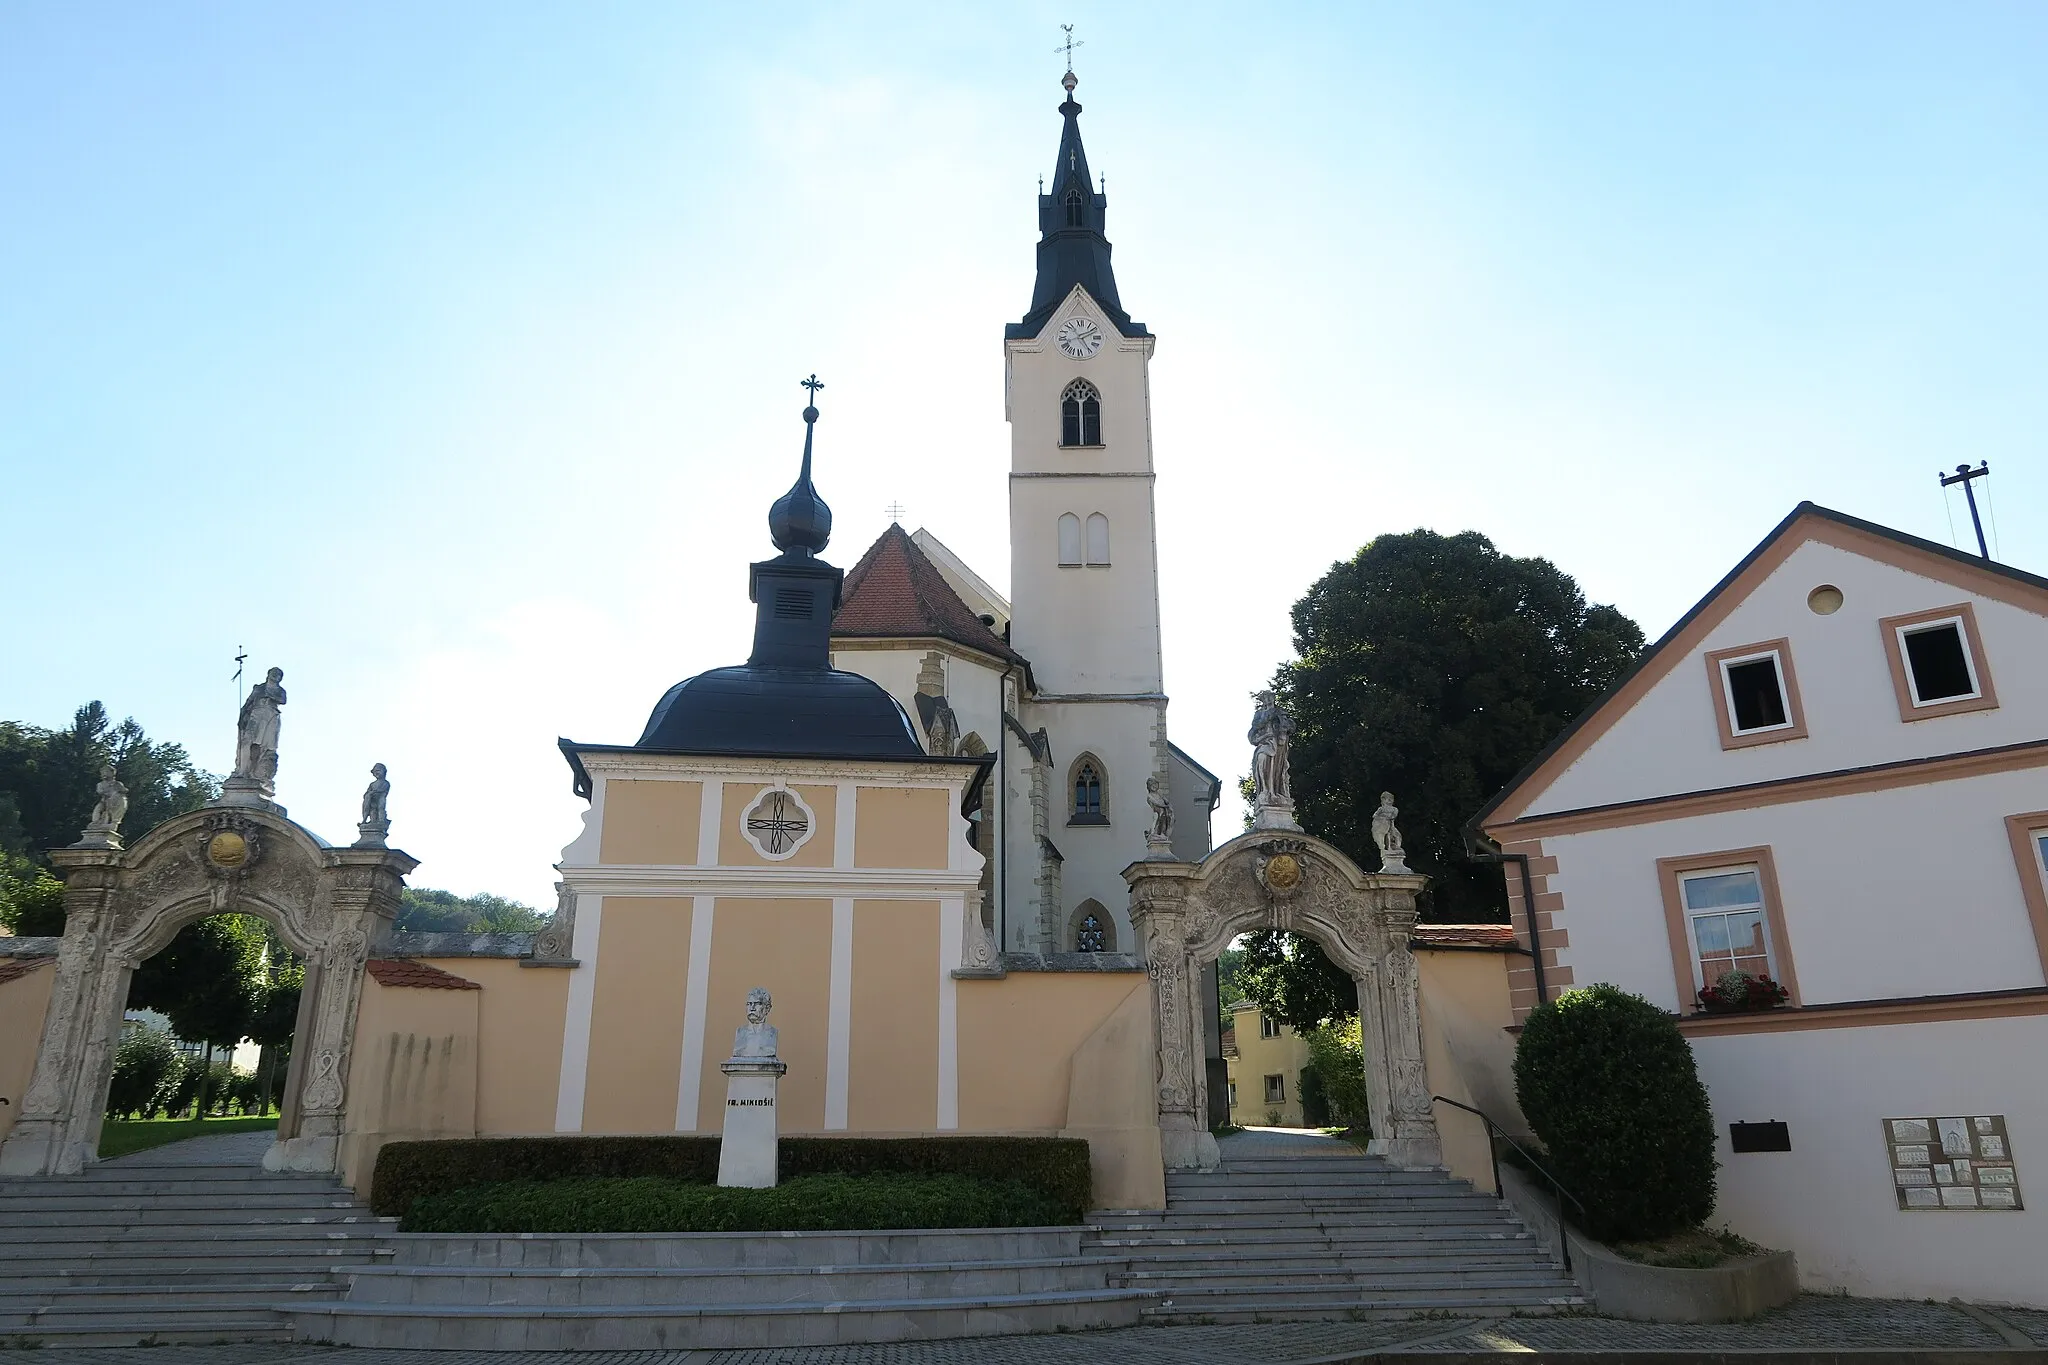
[[330, 905], [1186, 914]]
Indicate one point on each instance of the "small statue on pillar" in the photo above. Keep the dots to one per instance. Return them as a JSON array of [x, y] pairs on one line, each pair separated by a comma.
[[104, 829], [1386, 835], [1159, 838], [376, 821], [747, 1149]]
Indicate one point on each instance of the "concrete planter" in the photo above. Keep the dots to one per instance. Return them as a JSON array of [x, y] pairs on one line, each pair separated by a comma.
[[1731, 1292]]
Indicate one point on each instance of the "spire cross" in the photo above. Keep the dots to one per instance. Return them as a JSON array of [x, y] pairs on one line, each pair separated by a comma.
[[813, 384], [1068, 46], [895, 511]]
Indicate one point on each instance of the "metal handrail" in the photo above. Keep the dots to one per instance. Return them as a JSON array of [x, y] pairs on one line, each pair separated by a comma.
[[1493, 1130]]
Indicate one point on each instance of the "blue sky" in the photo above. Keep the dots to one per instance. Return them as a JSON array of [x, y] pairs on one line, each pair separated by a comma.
[[446, 355]]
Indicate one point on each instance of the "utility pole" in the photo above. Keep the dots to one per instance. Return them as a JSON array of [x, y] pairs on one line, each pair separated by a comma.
[[1964, 475]]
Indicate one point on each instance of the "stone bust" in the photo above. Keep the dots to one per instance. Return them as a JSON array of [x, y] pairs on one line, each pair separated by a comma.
[[756, 1037]]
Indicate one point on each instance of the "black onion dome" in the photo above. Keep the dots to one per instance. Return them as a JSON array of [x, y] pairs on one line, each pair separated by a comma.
[[813, 712], [800, 522]]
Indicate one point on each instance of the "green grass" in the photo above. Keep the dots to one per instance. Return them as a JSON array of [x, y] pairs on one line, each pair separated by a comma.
[[812, 1203], [1699, 1248], [118, 1137]]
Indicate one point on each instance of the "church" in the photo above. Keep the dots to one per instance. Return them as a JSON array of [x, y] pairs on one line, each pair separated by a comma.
[[946, 832]]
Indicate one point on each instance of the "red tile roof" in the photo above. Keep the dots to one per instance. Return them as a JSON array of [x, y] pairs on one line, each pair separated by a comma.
[[14, 968], [1498, 937], [398, 971], [896, 591]]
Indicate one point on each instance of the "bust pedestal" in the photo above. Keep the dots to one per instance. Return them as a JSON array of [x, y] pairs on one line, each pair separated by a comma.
[[746, 1153]]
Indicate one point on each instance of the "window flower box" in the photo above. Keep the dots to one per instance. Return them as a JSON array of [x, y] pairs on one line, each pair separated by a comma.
[[1742, 993]]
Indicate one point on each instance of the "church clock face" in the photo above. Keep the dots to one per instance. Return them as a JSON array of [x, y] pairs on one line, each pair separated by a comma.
[[1080, 338]]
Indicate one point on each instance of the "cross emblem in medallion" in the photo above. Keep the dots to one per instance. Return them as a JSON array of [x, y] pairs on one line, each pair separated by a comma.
[[777, 824]]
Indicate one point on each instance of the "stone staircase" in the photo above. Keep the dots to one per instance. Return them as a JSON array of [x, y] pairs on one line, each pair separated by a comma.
[[177, 1249], [708, 1291], [1309, 1233]]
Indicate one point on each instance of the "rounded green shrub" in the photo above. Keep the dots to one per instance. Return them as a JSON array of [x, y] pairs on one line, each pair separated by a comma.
[[1609, 1086]]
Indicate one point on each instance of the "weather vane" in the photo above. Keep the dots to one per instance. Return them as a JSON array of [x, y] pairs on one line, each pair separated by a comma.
[[1068, 46]]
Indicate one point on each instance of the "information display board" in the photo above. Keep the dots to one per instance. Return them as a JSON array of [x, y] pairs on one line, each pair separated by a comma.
[[1962, 1161]]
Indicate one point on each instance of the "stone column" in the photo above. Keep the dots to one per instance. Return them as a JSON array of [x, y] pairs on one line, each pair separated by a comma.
[[54, 1133], [361, 893], [1410, 1138], [747, 1148], [1158, 918]]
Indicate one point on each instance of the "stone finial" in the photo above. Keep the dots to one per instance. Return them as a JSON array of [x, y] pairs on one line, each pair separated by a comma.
[[1386, 835], [376, 821], [104, 829]]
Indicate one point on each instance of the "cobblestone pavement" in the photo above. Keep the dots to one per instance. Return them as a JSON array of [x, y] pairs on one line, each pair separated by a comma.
[[1816, 1322]]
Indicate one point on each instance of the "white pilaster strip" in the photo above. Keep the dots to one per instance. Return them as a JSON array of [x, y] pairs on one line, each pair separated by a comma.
[[951, 909], [696, 986], [576, 1023], [839, 1007], [710, 813], [842, 825]]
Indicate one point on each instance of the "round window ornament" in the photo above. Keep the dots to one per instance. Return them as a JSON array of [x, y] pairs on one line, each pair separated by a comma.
[[778, 823], [1824, 600]]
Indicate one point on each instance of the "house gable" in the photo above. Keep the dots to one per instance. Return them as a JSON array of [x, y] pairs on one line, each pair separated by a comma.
[[1658, 735]]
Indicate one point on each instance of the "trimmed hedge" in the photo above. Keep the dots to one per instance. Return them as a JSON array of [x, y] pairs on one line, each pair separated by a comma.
[[811, 1203], [406, 1172], [1609, 1085]]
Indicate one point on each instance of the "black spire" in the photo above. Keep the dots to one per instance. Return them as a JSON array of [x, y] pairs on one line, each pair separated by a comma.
[[1071, 247], [800, 523]]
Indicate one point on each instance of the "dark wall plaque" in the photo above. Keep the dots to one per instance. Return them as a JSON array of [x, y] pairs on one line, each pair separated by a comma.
[[1759, 1137]]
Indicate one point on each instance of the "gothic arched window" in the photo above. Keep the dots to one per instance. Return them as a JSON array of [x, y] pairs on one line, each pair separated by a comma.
[[1070, 539], [1087, 792], [1098, 538], [1080, 415], [1074, 214], [1090, 929]]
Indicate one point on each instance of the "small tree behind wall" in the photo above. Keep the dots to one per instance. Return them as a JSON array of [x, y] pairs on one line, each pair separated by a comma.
[[1609, 1086]]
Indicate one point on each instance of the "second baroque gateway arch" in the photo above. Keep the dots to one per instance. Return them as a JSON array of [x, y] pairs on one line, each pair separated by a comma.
[[1185, 914]]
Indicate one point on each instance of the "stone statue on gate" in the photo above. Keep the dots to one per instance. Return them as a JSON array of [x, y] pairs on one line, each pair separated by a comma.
[[376, 821], [254, 779], [104, 829], [1272, 734], [1386, 835], [1159, 838]]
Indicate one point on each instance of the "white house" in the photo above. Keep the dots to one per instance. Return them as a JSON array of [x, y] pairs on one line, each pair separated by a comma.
[[1834, 772]]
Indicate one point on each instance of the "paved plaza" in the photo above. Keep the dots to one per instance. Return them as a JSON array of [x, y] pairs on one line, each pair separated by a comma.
[[1817, 1327]]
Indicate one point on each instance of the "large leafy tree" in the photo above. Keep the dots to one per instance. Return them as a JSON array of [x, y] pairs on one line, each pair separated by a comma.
[[1433, 667], [48, 780], [427, 911]]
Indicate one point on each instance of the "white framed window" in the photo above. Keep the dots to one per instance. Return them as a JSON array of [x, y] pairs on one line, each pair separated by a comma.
[[1080, 415], [1268, 1028], [1726, 923], [777, 823], [1937, 662], [1070, 539], [1755, 689], [1098, 538], [1756, 694], [1276, 1089], [1233, 1093]]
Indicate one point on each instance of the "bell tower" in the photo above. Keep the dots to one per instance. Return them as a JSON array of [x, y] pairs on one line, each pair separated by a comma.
[[1084, 577]]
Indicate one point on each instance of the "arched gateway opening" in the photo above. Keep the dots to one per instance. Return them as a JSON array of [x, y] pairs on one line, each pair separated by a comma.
[[328, 905], [1185, 914]]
